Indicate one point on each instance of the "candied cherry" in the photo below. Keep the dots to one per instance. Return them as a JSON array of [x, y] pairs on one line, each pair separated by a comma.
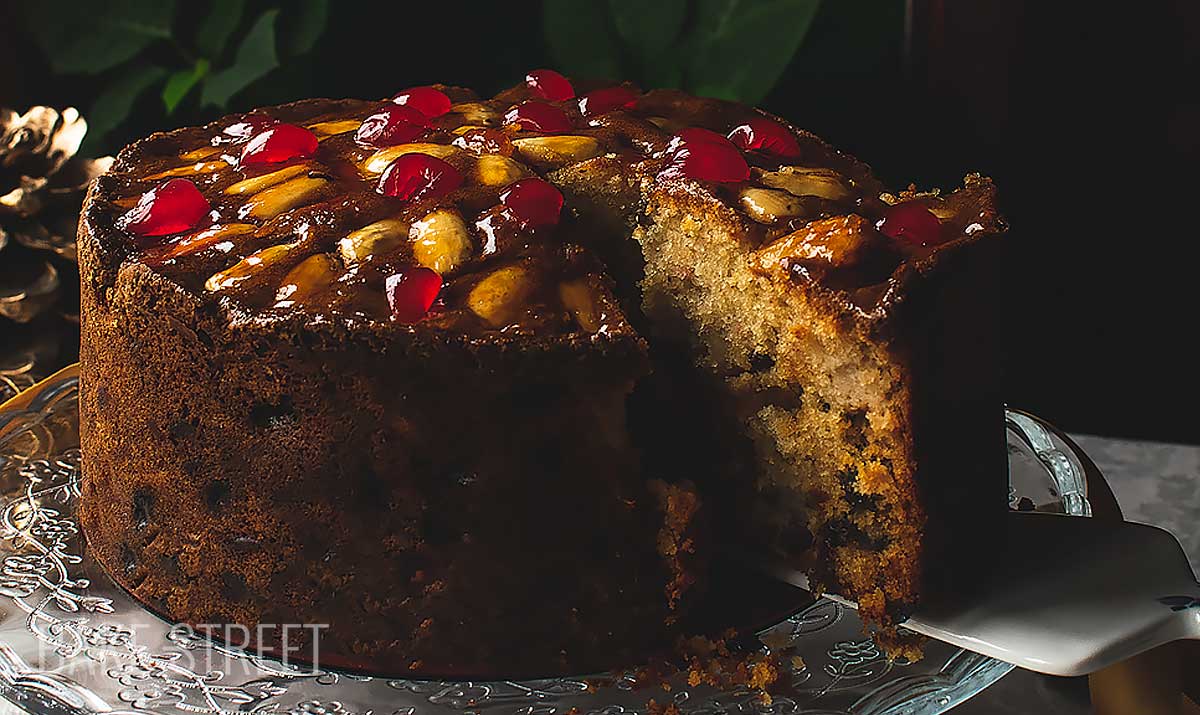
[[171, 207], [913, 223], [277, 143], [705, 155], [411, 292], [534, 203], [394, 124], [418, 176], [609, 99], [550, 85], [539, 117], [767, 136], [426, 100]]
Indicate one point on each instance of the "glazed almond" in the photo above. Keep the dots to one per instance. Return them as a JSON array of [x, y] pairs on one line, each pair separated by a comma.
[[440, 241], [373, 239]]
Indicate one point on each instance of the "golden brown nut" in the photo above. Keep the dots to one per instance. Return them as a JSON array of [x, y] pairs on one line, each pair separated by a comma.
[[497, 170], [198, 241], [836, 242], [557, 151], [377, 162], [202, 167], [324, 130], [809, 181], [258, 183], [588, 303], [501, 297], [769, 206], [477, 113], [271, 202], [440, 241], [308, 278], [374, 239], [248, 267]]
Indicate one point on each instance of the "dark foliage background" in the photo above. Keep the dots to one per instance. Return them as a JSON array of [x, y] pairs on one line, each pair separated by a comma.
[[1087, 116]]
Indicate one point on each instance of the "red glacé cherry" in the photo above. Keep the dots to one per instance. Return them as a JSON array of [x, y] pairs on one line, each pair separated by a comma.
[[705, 155], [173, 206], [539, 117], [548, 84], [277, 143], [418, 176], [426, 100], [767, 136], [913, 223], [411, 292], [394, 124], [534, 203], [609, 99]]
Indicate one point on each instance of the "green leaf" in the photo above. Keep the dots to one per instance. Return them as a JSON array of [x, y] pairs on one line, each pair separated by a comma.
[[115, 101], [580, 41], [255, 58], [303, 25], [181, 82], [100, 35], [740, 47], [214, 31]]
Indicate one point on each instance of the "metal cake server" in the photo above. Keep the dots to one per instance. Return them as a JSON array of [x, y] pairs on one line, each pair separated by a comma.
[[1068, 596]]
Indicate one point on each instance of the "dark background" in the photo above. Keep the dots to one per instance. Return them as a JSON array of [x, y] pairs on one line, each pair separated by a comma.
[[1087, 116]]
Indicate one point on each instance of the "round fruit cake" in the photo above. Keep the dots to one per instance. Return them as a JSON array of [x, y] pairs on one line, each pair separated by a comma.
[[473, 385]]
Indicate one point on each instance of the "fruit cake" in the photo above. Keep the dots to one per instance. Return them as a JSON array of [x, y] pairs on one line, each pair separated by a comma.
[[481, 385]]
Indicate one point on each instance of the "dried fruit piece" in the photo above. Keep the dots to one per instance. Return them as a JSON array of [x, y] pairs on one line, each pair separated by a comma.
[[534, 203], [769, 206], [411, 292], [273, 201], [279, 142], [913, 223], [482, 140], [497, 170], [557, 151], [380, 160], [198, 241], [375, 239], [440, 241], [418, 176], [809, 181], [203, 167], [550, 85], [426, 100], [538, 117], [329, 129], [307, 279], [502, 296], [394, 124], [836, 242], [248, 267], [767, 136], [609, 99], [258, 183], [202, 153], [173, 206], [704, 155]]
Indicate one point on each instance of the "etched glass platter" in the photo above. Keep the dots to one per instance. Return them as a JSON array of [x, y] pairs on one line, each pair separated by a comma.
[[71, 642]]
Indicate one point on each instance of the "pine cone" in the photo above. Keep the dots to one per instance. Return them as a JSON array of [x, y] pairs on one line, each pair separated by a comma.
[[42, 183]]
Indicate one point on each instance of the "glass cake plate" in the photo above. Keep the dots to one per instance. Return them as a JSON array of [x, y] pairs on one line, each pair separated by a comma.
[[73, 642]]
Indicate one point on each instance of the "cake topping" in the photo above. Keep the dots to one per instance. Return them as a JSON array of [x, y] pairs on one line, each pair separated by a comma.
[[539, 117], [549, 85], [394, 124], [417, 176], [173, 206], [704, 155], [913, 223], [609, 99], [533, 202], [766, 136], [279, 142], [426, 100], [411, 292], [482, 140]]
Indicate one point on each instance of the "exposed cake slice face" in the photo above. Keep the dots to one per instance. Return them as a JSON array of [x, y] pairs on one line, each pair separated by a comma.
[[828, 351]]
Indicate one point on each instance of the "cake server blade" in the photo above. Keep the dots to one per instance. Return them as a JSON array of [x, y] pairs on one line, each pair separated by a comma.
[[1067, 596]]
